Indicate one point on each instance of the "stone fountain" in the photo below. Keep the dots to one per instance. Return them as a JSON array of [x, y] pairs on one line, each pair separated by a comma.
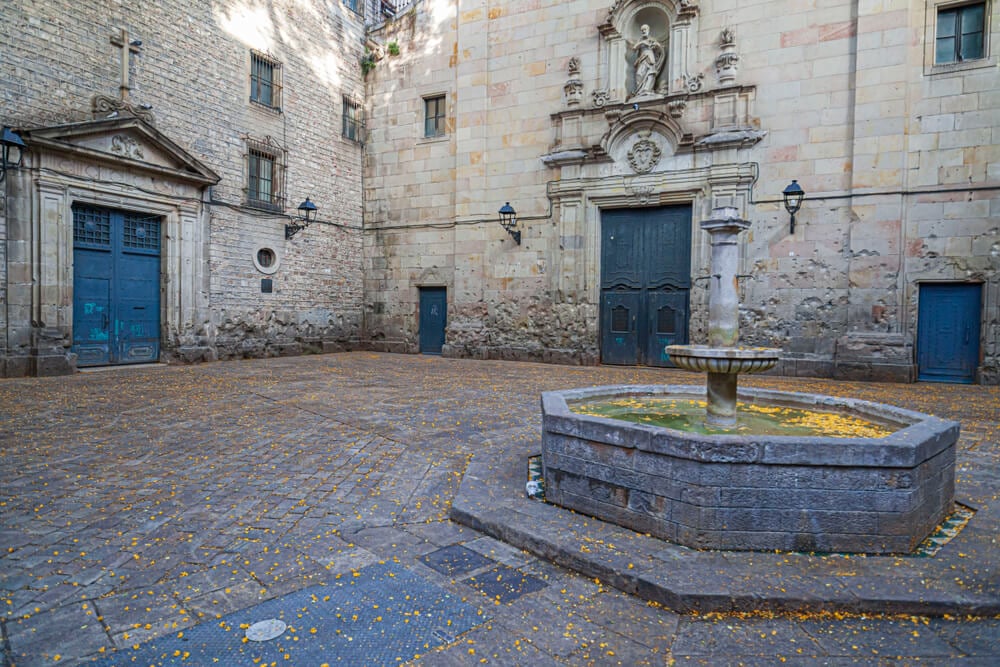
[[739, 490], [721, 358]]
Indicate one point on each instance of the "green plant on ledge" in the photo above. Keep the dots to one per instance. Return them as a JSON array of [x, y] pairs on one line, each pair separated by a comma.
[[367, 63], [393, 48]]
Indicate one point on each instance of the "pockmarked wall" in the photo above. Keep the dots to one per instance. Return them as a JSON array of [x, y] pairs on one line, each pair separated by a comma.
[[189, 82], [550, 107]]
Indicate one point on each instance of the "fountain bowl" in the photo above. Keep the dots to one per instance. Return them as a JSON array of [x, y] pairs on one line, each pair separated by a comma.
[[728, 360], [753, 492]]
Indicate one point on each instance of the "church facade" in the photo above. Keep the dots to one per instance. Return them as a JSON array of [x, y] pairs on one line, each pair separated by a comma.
[[516, 180]]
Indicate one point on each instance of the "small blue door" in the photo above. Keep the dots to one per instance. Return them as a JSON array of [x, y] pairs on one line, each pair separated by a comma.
[[116, 286], [948, 324], [433, 319]]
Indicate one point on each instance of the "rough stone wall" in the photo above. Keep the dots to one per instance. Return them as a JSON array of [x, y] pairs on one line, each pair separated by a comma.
[[431, 204], [899, 158], [193, 69]]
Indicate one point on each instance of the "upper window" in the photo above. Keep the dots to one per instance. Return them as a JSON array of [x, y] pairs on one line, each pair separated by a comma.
[[352, 120], [265, 175], [960, 33], [434, 116], [265, 80], [353, 5]]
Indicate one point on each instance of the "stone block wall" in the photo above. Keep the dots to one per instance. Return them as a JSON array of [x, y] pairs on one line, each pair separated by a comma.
[[193, 69], [898, 158]]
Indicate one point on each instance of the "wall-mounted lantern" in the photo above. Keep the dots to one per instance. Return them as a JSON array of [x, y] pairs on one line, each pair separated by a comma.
[[307, 216], [793, 196], [10, 141], [508, 220]]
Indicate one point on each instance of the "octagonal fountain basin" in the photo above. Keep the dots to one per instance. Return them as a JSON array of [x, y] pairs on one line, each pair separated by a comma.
[[878, 492]]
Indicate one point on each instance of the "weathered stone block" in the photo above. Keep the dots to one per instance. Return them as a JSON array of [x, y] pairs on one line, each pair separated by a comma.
[[765, 492]]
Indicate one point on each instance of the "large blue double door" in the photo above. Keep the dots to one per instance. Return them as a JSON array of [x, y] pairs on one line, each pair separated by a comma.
[[116, 286], [645, 283]]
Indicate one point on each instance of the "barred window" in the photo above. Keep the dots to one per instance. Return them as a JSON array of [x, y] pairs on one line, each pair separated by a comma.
[[434, 116], [265, 174], [352, 120], [960, 33], [265, 80]]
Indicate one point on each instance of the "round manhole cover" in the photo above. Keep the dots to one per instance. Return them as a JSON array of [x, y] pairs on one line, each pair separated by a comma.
[[266, 630]]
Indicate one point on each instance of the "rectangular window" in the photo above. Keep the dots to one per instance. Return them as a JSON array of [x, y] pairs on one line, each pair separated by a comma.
[[434, 116], [352, 5], [265, 80], [352, 120], [960, 33], [265, 172]]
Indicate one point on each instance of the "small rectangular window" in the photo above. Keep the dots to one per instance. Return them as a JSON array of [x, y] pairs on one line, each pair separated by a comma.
[[265, 80], [960, 33], [265, 173], [352, 124], [434, 116]]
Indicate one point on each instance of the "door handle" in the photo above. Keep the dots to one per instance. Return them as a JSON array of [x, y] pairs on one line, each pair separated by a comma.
[[105, 320]]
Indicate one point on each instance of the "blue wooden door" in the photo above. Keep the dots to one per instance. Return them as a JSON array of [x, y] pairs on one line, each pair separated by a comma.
[[116, 286], [433, 319], [948, 324], [645, 283]]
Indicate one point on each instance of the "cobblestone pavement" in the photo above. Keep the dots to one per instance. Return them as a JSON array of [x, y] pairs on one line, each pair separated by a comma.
[[139, 504]]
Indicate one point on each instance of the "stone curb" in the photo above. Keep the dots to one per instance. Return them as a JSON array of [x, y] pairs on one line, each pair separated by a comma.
[[959, 580]]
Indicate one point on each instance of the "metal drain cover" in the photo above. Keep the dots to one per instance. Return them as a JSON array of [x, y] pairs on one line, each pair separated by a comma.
[[264, 631]]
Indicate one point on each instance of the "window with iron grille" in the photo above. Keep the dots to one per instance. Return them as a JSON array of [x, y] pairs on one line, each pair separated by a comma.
[[961, 33], [265, 80], [434, 116], [352, 120], [265, 175]]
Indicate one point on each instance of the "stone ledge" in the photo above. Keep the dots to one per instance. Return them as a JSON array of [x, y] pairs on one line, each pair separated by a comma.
[[491, 499]]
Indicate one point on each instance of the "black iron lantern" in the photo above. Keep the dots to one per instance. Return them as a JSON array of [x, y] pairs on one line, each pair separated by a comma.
[[793, 196], [10, 141], [307, 215], [508, 220]]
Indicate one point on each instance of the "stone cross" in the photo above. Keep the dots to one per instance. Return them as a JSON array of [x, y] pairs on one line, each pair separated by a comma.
[[122, 42]]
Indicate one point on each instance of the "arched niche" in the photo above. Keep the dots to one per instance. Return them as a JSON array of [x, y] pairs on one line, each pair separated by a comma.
[[671, 23], [641, 142]]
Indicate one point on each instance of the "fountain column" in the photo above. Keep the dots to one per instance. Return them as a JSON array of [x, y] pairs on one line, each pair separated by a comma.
[[723, 311], [722, 358]]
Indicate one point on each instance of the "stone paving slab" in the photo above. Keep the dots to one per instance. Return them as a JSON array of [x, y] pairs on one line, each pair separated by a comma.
[[137, 505], [379, 615]]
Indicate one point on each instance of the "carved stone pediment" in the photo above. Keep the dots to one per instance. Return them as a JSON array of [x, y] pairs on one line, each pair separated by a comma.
[[129, 142]]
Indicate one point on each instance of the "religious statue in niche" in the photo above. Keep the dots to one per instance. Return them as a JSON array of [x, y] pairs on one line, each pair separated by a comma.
[[649, 58]]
